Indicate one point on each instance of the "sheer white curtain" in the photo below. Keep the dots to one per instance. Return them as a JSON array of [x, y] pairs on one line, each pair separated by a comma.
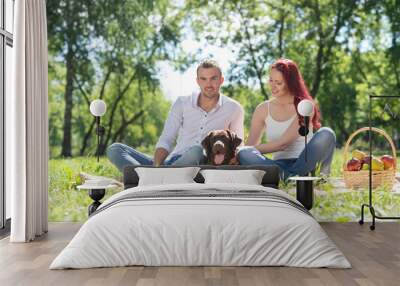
[[27, 123]]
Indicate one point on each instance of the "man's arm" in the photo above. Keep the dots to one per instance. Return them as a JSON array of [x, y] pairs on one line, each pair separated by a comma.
[[238, 123], [168, 136]]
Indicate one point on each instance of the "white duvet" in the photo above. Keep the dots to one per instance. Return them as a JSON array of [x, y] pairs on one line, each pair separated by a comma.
[[183, 231]]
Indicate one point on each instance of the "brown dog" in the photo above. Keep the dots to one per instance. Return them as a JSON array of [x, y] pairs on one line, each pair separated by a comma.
[[220, 147]]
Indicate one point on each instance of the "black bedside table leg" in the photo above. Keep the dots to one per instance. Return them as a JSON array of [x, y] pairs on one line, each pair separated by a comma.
[[96, 195], [305, 193]]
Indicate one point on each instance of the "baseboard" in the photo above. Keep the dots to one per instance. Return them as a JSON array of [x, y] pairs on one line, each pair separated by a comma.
[[5, 231]]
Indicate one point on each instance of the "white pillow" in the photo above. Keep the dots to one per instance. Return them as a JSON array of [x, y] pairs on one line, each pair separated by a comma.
[[249, 177], [166, 176]]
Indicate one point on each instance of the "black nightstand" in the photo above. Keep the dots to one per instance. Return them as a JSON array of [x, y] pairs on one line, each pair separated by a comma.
[[305, 190], [96, 193]]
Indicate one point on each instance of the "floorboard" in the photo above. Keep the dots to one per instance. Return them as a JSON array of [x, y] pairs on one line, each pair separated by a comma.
[[374, 255]]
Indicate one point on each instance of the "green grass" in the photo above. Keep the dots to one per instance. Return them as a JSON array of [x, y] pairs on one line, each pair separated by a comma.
[[67, 203]]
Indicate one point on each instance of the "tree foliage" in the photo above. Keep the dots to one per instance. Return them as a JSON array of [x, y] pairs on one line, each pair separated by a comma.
[[110, 50], [346, 50]]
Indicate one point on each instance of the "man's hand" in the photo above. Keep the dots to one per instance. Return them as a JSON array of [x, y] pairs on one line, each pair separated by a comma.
[[159, 156], [234, 161]]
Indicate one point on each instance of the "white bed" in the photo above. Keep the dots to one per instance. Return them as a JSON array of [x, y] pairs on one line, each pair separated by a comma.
[[224, 225]]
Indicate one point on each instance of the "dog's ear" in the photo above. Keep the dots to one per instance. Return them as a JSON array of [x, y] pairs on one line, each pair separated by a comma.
[[206, 143], [236, 141]]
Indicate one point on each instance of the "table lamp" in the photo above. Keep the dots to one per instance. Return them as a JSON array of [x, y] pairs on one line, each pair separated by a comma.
[[304, 185], [98, 107], [305, 108]]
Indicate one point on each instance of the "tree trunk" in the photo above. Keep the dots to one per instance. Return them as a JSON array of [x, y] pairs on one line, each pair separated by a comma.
[[66, 144], [281, 29], [119, 133], [108, 133], [318, 70]]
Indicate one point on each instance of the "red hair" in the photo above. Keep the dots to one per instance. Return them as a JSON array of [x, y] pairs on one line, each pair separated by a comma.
[[297, 87]]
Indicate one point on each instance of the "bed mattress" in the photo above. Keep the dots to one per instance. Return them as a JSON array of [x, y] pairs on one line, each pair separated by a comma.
[[201, 225]]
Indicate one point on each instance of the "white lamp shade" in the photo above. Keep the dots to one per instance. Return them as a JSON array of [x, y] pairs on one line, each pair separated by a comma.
[[305, 107], [98, 107]]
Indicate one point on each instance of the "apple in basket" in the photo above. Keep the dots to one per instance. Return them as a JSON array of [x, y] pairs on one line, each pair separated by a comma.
[[367, 160], [377, 164], [388, 162], [357, 154], [354, 165]]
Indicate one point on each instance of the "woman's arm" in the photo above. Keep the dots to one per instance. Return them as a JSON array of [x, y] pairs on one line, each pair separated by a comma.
[[288, 137], [257, 124]]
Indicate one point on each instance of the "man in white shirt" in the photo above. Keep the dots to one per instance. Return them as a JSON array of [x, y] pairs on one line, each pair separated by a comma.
[[189, 121]]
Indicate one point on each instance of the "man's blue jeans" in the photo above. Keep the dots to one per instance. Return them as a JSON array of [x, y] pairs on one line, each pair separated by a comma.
[[320, 150], [122, 155]]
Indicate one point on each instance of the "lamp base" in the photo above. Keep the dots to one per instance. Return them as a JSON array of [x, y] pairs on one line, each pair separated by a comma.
[[305, 190], [96, 195], [305, 193]]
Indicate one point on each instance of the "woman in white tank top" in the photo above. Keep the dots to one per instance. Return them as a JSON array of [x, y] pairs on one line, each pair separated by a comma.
[[279, 119]]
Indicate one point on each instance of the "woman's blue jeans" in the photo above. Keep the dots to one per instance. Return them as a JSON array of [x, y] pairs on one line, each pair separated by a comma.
[[122, 155], [320, 150]]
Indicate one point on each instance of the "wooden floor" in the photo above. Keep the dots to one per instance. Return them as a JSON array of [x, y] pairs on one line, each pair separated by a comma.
[[374, 255]]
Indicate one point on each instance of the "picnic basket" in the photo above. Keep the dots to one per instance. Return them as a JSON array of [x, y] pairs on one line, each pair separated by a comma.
[[358, 179]]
